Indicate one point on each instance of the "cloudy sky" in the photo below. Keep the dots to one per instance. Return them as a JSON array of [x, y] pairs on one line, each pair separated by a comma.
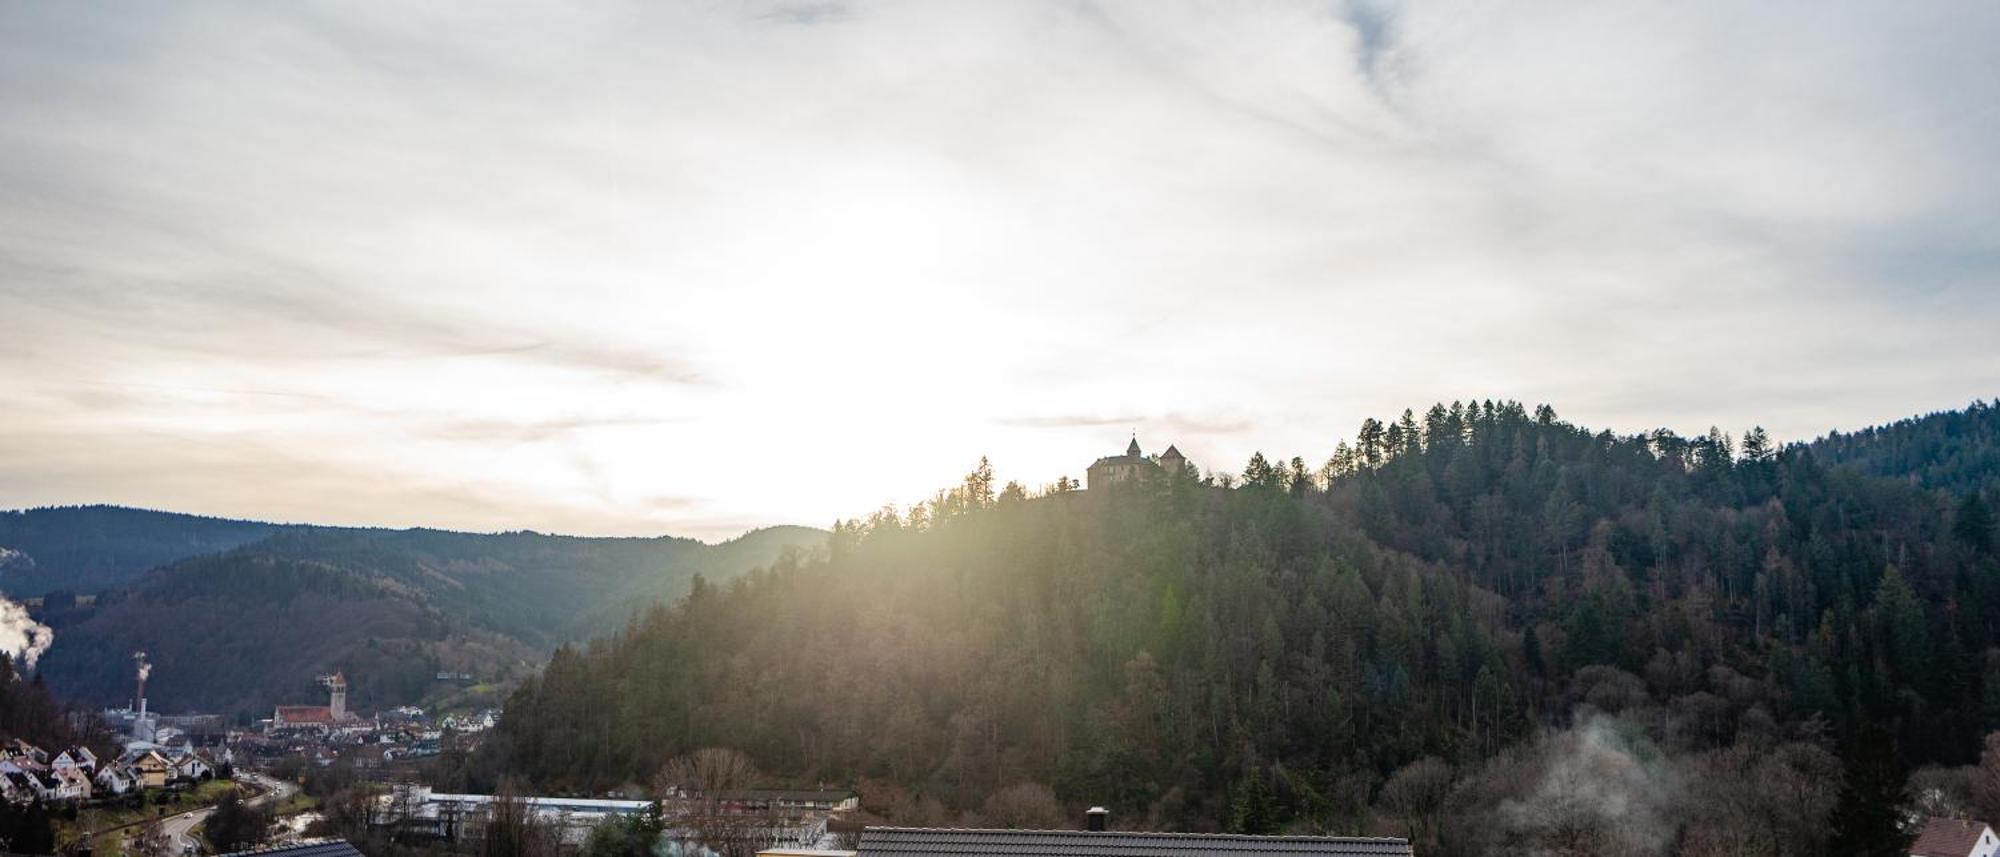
[[698, 267]]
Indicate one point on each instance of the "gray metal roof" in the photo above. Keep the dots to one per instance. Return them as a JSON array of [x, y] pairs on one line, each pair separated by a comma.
[[954, 842], [326, 848]]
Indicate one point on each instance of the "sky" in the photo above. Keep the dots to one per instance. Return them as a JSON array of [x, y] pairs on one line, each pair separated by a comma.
[[694, 268]]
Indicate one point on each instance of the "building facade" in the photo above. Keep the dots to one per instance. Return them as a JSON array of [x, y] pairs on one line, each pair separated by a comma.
[[1132, 467]]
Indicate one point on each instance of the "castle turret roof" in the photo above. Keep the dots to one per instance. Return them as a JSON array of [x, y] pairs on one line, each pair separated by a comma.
[[1133, 449]]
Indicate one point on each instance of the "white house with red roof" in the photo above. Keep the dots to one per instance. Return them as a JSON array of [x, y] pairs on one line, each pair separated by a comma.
[[1955, 837]]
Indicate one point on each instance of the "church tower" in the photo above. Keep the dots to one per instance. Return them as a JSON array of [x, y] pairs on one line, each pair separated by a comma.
[[336, 684]]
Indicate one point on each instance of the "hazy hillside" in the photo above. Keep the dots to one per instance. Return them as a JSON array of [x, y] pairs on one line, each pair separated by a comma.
[[87, 548], [238, 632], [1476, 626], [539, 588], [240, 629], [1953, 450]]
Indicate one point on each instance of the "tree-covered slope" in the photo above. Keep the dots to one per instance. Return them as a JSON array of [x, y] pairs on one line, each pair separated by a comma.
[[253, 625], [86, 548], [238, 632], [539, 588], [1958, 451], [1331, 647]]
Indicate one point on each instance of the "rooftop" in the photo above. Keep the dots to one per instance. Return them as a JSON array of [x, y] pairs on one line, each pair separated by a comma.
[[574, 804], [799, 795], [1949, 837], [305, 713], [962, 842], [320, 848]]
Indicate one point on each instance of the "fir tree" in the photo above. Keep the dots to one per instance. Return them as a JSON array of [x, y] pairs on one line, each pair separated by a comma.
[[1253, 812]]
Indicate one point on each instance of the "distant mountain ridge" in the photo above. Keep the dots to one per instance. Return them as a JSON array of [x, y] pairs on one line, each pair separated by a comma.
[[239, 614], [87, 548]]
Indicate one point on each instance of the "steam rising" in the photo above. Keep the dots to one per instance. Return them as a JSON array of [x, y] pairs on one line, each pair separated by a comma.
[[1599, 791], [22, 636]]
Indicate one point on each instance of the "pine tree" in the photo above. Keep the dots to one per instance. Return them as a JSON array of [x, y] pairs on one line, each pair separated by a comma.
[[1757, 445], [1531, 650], [1259, 472], [1903, 620], [1866, 814], [1253, 812], [1973, 524], [1371, 441], [1412, 437]]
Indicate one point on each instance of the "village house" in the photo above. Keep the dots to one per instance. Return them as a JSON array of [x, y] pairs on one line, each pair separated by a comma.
[[27, 755], [1955, 837], [79, 758], [22, 764], [67, 784], [151, 769], [114, 780], [27, 775], [76, 774], [192, 768], [18, 786]]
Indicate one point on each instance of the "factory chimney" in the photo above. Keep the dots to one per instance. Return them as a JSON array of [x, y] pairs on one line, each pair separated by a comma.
[[145, 669]]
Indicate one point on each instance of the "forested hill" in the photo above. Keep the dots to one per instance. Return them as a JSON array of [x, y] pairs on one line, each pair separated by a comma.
[[1957, 451], [1381, 643], [539, 588], [237, 630], [86, 548]]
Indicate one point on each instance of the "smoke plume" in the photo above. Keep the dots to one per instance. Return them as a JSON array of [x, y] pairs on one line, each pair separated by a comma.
[[1600, 791], [22, 636]]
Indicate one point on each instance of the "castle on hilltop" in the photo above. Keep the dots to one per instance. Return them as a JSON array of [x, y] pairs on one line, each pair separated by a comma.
[[1133, 466]]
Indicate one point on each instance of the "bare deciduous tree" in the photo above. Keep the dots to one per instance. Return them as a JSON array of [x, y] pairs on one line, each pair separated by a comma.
[[706, 774], [154, 842], [1024, 805], [1416, 793], [513, 830], [692, 787], [1986, 784]]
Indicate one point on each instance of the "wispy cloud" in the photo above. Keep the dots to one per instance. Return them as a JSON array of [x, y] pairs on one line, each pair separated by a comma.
[[808, 13], [674, 267], [1171, 424], [242, 307]]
